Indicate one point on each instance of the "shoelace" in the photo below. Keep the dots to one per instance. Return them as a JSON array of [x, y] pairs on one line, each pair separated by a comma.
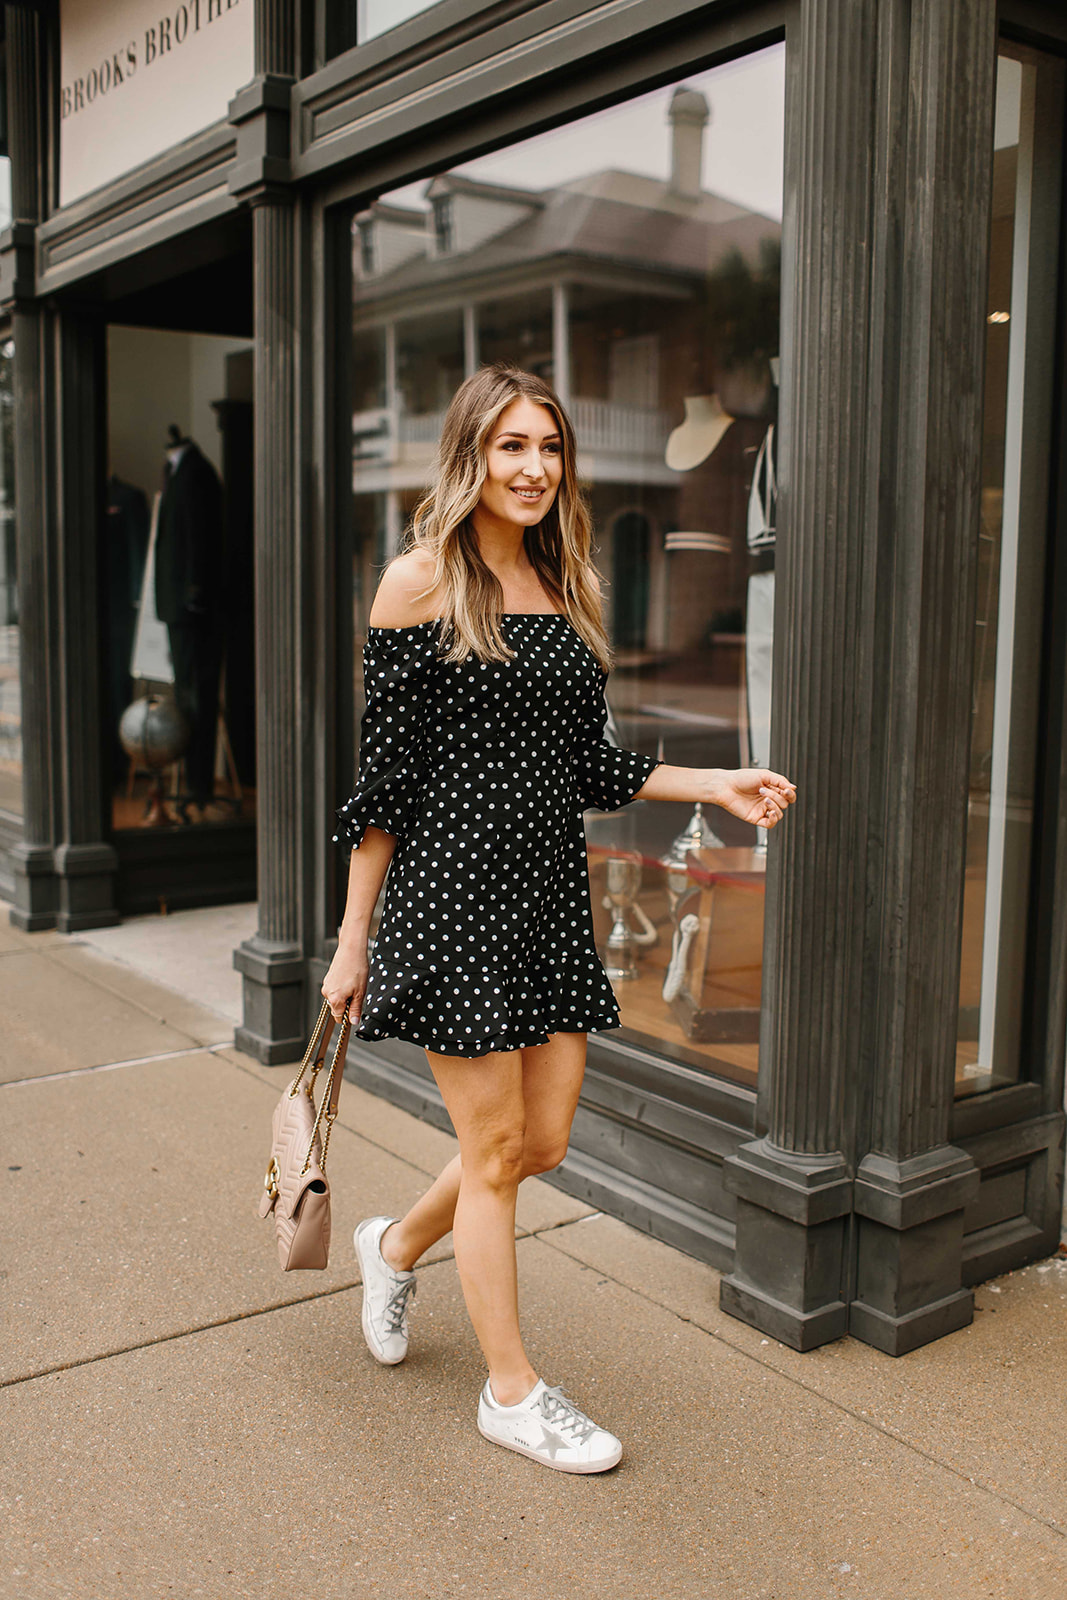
[[561, 1413], [397, 1304]]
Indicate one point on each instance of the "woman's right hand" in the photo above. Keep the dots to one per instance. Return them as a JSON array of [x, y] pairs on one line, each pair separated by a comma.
[[346, 980]]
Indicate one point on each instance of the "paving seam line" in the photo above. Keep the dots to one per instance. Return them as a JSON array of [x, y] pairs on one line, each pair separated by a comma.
[[111, 1066], [815, 1394], [200, 1327], [818, 1394], [238, 1316], [135, 972]]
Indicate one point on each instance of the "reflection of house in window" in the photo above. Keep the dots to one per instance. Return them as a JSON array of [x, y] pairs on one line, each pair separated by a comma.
[[599, 284]]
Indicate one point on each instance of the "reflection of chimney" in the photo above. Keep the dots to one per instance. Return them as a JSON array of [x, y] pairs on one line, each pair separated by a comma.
[[689, 114]]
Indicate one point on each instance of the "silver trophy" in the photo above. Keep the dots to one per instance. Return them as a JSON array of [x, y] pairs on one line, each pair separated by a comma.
[[623, 887]]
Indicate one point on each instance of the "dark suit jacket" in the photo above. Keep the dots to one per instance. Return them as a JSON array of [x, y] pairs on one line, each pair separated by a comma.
[[189, 546], [125, 546]]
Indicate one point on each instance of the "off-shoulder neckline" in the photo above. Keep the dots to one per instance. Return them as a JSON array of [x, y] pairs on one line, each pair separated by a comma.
[[413, 627]]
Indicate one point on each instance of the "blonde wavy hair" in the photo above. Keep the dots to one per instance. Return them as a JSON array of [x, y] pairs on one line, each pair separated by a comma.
[[559, 547]]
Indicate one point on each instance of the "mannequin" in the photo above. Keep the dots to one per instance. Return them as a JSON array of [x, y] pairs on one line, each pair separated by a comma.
[[694, 439], [189, 573], [759, 623]]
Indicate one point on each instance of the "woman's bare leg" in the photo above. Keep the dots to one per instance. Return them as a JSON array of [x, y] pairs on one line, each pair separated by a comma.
[[552, 1079], [484, 1099], [429, 1219]]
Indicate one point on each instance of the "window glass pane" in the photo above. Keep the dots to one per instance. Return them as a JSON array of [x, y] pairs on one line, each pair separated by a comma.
[[177, 556], [378, 16], [632, 258], [10, 692], [1012, 545], [351, 22]]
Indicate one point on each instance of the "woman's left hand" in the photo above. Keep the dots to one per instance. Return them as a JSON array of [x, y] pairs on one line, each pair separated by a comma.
[[755, 795]]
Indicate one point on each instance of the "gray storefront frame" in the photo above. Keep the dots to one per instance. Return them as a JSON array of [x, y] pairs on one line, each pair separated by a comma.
[[852, 1193]]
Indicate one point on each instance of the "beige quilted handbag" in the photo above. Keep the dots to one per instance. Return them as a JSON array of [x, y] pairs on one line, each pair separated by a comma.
[[296, 1189]]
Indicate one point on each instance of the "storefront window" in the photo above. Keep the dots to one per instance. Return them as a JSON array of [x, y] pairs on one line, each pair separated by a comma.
[[177, 558], [352, 22], [378, 16], [1012, 549], [632, 258], [10, 693]]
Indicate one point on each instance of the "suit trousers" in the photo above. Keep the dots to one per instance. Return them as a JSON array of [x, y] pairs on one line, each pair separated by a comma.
[[196, 653]]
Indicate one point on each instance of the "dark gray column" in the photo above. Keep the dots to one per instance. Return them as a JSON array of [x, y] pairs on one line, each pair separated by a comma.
[[850, 1208], [64, 869], [86, 864], [36, 891], [793, 1186], [912, 1184], [272, 962]]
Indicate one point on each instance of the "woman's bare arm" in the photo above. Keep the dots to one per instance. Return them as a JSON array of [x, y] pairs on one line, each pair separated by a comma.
[[347, 977], [397, 604], [754, 794]]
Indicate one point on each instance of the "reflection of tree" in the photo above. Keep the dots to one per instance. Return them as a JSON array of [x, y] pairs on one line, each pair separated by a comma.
[[742, 299]]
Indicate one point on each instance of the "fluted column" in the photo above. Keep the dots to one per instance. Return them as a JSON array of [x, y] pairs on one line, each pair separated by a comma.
[[793, 1186], [912, 1184], [33, 860], [850, 1207], [86, 863], [273, 961]]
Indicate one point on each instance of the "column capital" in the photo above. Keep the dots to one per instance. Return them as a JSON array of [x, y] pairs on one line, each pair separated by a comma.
[[261, 113], [18, 265]]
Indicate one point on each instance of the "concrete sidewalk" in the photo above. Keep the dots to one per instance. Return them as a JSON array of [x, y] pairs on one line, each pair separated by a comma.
[[182, 1419]]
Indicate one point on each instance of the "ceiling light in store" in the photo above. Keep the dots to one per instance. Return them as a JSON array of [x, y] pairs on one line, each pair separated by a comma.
[[1000, 316]]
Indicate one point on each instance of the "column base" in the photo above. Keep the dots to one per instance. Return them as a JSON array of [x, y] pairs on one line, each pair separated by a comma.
[[895, 1336], [800, 1330], [36, 891], [789, 1261], [86, 875], [275, 979], [909, 1248]]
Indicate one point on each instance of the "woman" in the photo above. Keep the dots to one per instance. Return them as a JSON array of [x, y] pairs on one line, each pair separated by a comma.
[[484, 668]]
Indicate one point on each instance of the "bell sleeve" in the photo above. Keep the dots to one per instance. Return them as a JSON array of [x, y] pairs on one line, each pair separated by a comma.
[[399, 666], [608, 777]]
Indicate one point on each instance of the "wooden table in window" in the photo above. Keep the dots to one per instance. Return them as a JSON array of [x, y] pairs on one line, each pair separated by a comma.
[[707, 873]]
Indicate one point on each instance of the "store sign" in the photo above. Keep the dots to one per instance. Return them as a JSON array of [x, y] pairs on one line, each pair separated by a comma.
[[138, 76]]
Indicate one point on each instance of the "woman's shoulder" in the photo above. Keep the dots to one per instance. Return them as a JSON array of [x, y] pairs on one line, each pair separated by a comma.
[[402, 599]]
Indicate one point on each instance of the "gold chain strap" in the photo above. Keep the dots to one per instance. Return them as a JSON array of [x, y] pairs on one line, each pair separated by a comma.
[[327, 1110], [312, 1051]]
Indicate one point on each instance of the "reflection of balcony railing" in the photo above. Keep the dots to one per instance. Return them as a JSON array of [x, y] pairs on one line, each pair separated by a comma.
[[424, 428], [608, 428]]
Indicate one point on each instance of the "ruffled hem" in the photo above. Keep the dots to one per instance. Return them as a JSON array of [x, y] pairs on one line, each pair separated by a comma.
[[608, 777], [421, 1006], [476, 1048], [389, 803]]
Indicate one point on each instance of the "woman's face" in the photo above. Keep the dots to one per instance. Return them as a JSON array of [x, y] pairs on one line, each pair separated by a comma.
[[524, 461]]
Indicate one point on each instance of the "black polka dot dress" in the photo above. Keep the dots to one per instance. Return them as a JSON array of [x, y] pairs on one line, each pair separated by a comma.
[[481, 771]]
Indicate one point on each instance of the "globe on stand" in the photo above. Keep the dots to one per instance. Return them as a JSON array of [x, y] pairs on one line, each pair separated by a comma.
[[154, 733]]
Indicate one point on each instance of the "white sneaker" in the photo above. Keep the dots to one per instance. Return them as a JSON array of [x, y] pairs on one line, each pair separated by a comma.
[[386, 1293], [549, 1428]]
